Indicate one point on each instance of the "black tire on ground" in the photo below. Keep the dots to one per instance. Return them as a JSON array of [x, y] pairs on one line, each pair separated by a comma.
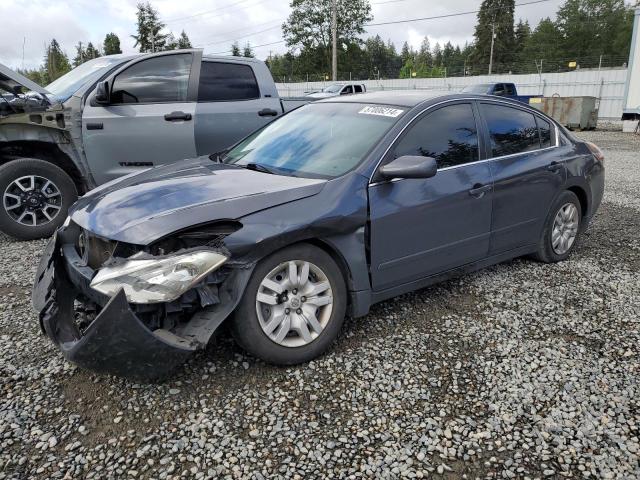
[[245, 325], [22, 167], [545, 252]]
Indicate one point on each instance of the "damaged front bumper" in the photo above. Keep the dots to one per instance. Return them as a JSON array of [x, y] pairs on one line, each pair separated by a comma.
[[117, 341]]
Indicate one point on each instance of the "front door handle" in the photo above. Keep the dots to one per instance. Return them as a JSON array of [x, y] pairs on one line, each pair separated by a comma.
[[554, 167], [176, 116], [268, 112], [479, 190]]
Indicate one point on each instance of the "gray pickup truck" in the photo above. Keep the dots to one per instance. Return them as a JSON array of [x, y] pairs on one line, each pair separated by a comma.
[[116, 115]]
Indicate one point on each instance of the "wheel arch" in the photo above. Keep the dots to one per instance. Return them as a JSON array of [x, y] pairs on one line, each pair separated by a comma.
[[582, 197], [45, 151]]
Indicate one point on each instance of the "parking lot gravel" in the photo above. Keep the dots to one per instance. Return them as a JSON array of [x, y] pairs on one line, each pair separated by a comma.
[[523, 370]]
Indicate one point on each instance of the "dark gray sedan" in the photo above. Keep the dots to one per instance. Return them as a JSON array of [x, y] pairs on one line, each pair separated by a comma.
[[336, 206]]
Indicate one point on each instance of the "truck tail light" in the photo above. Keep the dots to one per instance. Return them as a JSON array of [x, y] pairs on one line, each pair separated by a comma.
[[597, 153]]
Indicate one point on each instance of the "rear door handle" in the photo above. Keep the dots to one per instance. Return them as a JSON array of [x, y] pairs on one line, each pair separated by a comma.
[[479, 190], [268, 112], [554, 167], [95, 126], [176, 116]]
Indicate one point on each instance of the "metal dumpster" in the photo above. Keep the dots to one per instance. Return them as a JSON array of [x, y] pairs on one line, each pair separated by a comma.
[[572, 112]]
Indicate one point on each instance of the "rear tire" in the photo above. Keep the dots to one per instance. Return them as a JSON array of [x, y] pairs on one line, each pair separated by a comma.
[[561, 230], [35, 197], [286, 322]]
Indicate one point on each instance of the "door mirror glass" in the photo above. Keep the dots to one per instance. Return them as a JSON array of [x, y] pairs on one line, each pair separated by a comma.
[[102, 93], [410, 166]]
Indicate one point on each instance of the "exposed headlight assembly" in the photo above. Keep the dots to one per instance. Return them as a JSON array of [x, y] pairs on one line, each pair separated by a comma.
[[163, 279]]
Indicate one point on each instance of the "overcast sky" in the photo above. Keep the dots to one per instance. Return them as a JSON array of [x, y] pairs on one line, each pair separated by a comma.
[[214, 24]]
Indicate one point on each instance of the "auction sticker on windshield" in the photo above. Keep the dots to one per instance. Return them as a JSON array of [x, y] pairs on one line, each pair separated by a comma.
[[383, 111]]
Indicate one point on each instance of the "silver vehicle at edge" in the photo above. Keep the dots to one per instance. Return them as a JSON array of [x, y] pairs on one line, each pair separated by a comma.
[[116, 115]]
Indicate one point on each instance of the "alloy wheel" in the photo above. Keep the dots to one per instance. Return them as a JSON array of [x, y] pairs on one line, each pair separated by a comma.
[[32, 200], [565, 228], [294, 303]]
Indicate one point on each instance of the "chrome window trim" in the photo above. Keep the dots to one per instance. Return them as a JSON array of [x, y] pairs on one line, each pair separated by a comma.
[[421, 112]]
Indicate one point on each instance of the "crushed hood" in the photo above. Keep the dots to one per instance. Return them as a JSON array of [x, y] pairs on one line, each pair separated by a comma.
[[11, 81], [142, 208]]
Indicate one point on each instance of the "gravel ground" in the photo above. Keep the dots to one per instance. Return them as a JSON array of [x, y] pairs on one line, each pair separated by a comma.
[[522, 370]]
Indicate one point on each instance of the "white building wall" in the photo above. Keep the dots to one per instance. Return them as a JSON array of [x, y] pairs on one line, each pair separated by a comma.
[[632, 91], [608, 85]]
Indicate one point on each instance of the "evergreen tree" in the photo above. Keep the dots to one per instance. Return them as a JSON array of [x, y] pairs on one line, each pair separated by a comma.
[[81, 55], [235, 49], [495, 16], [542, 45], [111, 44], [424, 56], [437, 55], [92, 52], [150, 37], [183, 41], [591, 28], [56, 62], [248, 51], [406, 53]]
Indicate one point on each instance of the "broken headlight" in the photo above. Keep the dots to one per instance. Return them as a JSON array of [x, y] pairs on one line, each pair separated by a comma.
[[154, 280]]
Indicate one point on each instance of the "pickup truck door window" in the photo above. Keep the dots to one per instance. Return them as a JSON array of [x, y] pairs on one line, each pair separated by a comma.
[[498, 89], [421, 227], [526, 176], [148, 122], [347, 90], [230, 106], [227, 81]]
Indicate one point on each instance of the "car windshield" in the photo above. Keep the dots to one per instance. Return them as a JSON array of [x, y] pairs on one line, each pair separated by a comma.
[[332, 88], [318, 140], [480, 88], [90, 71]]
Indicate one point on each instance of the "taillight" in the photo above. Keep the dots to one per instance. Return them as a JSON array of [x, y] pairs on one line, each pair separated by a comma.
[[597, 153]]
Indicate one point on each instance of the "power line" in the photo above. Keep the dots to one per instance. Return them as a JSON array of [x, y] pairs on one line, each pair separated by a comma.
[[207, 12], [239, 30], [252, 46], [409, 20], [239, 38]]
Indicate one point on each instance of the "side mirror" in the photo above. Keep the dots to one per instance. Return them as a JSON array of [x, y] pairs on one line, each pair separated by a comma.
[[410, 166], [102, 93]]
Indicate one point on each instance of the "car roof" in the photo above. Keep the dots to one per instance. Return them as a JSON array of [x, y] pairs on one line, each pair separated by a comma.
[[412, 98], [403, 98]]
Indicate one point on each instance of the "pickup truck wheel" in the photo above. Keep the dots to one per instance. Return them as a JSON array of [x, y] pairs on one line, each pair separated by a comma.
[[35, 198], [293, 306]]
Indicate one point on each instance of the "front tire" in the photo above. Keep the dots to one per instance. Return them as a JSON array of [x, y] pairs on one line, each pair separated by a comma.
[[561, 230], [293, 306], [35, 198]]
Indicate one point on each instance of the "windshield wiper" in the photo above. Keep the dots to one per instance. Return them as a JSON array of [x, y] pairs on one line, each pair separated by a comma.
[[258, 167]]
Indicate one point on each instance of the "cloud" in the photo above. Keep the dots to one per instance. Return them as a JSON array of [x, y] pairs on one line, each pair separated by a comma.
[[215, 24]]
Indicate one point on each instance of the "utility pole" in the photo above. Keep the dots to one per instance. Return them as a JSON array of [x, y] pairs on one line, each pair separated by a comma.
[[334, 40], [493, 37]]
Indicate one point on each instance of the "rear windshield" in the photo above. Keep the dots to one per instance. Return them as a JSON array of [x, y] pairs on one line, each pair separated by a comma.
[[481, 88], [318, 140]]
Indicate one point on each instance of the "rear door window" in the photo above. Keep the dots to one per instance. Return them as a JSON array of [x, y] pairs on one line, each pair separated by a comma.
[[358, 88], [156, 80], [509, 89], [221, 82], [449, 135], [546, 139], [511, 130]]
